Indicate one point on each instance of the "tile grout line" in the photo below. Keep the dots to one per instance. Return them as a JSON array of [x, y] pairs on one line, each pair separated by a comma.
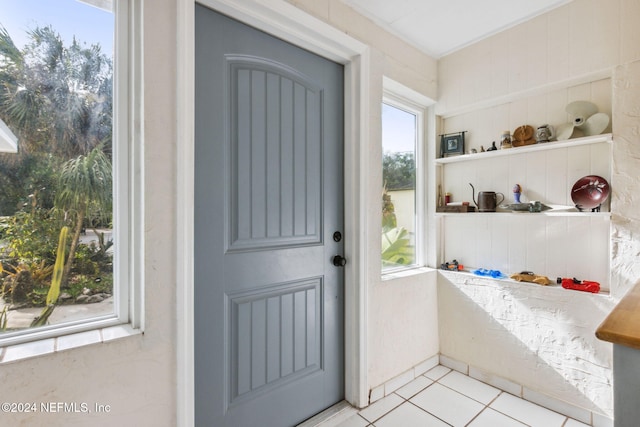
[[476, 416], [389, 411], [424, 410], [487, 407], [484, 409], [502, 413]]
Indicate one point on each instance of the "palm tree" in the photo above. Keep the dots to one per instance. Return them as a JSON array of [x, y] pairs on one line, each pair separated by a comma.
[[58, 98], [84, 181], [58, 101]]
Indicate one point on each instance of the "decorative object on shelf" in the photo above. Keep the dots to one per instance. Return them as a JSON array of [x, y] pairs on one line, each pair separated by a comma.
[[505, 140], [528, 276], [517, 191], [496, 274], [579, 285], [544, 134], [439, 195], [482, 150], [452, 144], [452, 266], [493, 147], [523, 135], [527, 207], [565, 145], [487, 200], [537, 207], [589, 192], [456, 207], [585, 121], [447, 198]]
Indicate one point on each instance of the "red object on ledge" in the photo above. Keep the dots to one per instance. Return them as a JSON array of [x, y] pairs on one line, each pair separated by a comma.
[[579, 285]]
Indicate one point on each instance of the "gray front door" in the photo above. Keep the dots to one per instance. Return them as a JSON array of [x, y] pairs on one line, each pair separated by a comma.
[[269, 303]]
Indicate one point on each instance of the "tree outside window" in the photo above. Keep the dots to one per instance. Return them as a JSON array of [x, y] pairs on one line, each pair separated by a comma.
[[399, 138], [56, 97]]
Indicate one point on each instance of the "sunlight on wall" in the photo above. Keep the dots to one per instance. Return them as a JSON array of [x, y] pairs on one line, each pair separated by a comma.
[[532, 335]]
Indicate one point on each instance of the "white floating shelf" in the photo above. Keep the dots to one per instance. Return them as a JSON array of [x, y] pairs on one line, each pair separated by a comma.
[[528, 149], [553, 287], [604, 215]]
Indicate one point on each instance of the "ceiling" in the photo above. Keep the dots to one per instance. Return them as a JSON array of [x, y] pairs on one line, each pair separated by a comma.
[[440, 27]]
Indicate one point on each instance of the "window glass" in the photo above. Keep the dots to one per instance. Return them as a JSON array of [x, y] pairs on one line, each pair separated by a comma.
[[56, 163], [399, 225]]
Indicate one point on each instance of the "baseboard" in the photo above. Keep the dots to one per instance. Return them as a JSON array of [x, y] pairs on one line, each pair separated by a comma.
[[341, 411], [578, 413], [404, 378]]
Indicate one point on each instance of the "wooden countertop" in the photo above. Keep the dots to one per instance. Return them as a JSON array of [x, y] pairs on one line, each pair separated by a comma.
[[622, 325]]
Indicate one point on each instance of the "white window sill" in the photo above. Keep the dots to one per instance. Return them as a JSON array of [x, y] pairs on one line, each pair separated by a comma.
[[17, 352], [408, 272]]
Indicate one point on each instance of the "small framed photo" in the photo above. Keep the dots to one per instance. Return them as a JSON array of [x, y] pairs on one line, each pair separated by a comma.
[[452, 144]]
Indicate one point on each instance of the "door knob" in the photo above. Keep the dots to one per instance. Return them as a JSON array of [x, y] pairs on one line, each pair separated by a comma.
[[339, 261]]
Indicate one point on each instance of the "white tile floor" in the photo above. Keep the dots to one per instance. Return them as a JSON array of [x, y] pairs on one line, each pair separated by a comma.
[[442, 397]]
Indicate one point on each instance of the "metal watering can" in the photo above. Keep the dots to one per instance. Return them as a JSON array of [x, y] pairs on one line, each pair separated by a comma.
[[487, 200]]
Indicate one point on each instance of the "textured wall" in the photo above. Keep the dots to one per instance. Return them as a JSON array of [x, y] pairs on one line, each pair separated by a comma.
[[625, 239], [402, 312], [134, 375], [542, 338], [539, 337]]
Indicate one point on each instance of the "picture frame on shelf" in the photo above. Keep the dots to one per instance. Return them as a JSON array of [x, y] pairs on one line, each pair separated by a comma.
[[452, 144]]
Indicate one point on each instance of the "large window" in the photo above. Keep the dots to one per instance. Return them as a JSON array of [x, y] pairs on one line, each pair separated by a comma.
[[66, 223], [401, 187]]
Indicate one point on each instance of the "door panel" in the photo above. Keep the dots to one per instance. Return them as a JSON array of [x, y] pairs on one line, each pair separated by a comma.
[[276, 336], [274, 146], [268, 197]]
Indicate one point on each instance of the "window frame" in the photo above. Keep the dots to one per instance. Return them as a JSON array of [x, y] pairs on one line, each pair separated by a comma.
[[397, 100], [128, 197]]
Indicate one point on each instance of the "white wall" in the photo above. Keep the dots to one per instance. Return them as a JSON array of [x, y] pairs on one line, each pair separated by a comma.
[[526, 75], [134, 375], [404, 204], [541, 338], [579, 38], [402, 312]]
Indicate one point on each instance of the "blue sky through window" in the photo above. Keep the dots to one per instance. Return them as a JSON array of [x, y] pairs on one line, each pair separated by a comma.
[[398, 130], [69, 18]]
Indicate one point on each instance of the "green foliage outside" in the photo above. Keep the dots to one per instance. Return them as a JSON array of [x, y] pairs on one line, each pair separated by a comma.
[[54, 289], [396, 244], [399, 171], [57, 99], [396, 248]]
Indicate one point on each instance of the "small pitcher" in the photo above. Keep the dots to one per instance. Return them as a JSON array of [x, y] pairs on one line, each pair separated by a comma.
[[544, 133], [487, 200]]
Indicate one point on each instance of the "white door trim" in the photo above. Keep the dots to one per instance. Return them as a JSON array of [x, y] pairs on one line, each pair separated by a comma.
[[291, 24]]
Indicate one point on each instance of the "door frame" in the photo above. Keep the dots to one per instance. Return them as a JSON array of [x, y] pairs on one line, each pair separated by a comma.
[[295, 26]]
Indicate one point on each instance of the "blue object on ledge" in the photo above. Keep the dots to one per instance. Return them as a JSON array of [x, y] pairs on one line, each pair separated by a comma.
[[496, 274]]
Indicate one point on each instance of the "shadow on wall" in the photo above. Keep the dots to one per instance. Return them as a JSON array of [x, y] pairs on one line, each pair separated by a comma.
[[625, 270], [540, 337], [625, 194]]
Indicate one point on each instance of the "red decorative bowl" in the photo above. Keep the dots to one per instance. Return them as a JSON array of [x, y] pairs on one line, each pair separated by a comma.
[[589, 192]]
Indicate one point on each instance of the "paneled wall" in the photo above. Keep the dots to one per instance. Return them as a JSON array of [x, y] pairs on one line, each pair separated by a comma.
[[582, 37], [485, 124], [527, 75]]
